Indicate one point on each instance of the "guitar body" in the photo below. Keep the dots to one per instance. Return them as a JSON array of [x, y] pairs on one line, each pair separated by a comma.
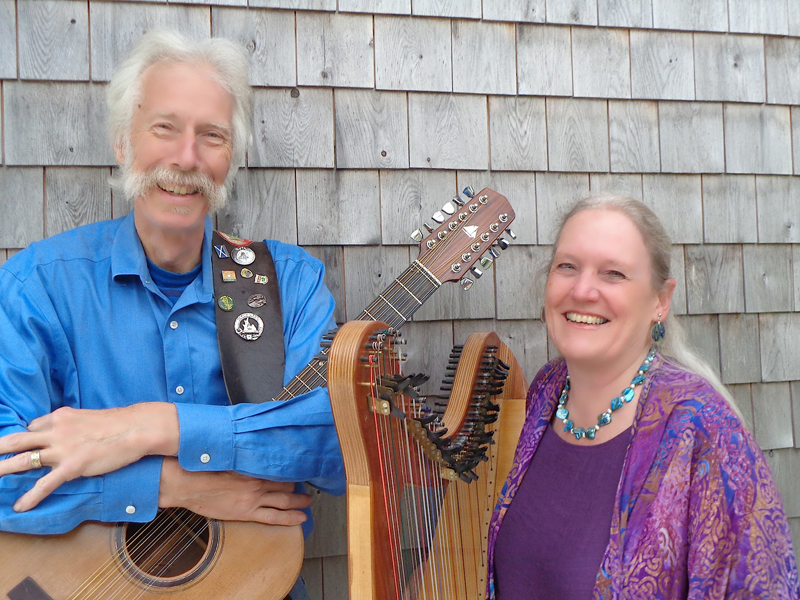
[[179, 554]]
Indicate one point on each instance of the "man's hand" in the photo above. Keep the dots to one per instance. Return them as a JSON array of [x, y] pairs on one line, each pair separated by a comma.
[[229, 496], [82, 443]]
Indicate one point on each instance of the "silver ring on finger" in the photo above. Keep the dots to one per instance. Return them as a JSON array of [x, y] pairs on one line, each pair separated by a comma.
[[36, 459]]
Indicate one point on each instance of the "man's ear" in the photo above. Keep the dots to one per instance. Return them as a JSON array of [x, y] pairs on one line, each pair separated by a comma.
[[119, 152]]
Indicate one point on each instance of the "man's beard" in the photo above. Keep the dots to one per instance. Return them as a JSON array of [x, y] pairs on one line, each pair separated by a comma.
[[138, 183]]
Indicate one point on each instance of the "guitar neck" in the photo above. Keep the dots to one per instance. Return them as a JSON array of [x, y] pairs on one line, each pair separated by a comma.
[[394, 306]]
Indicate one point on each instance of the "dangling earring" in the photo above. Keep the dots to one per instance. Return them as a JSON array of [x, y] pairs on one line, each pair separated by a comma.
[[657, 333]]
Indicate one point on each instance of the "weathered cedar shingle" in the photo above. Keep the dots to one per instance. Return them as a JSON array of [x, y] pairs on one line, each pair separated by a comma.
[[767, 278], [55, 124], [448, 131], [778, 209], [53, 40], [693, 15], [671, 195], [757, 139], [263, 205], [338, 207], [729, 67], [519, 289], [772, 415], [633, 136], [572, 12], [8, 39], [335, 50], [327, 5], [333, 259], [703, 331], [780, 346], [577, 134], [393, 7], [662, 65], [601, 62], [729, 209], [21, 202], [691, 137], [293, 128], [483, 57], [783, 64], [714, 279], [518, 133], [628, 184], [544, 60], [467, 9], [521, 11], [555, 195], [625, 13], [75, 196], [759, 16], [371, 129], [739, 354], [116, 26], [268, 36], [678, 273], [413, 54]]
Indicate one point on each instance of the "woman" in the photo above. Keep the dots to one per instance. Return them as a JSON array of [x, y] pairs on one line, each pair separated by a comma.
[[658, 491]]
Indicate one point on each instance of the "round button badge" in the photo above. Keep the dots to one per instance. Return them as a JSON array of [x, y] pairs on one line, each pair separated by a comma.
[[243, 256]]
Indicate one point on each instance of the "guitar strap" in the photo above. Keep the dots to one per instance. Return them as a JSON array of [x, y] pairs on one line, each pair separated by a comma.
[[249, 319]]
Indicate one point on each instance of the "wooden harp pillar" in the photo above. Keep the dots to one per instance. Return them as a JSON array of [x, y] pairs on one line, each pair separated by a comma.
[[421, 479]]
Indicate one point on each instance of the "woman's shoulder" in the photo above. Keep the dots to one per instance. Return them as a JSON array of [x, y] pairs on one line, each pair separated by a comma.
[[690, 401]]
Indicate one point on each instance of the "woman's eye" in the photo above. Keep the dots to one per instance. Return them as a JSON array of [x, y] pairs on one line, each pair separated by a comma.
[[566, 267], [616, 275]]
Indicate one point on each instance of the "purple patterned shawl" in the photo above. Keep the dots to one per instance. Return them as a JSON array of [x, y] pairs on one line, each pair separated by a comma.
[[697, 513]]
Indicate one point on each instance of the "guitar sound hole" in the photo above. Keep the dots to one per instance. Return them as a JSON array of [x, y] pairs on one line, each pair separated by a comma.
[[175, 548]]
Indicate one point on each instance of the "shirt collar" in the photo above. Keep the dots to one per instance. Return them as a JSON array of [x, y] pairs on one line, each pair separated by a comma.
[[128, 258]]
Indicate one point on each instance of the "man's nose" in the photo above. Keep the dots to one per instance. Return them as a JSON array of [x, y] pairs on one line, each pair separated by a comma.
[[186, 152]]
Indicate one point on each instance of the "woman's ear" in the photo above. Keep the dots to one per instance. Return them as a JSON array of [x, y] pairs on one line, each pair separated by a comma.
[[665, 298]]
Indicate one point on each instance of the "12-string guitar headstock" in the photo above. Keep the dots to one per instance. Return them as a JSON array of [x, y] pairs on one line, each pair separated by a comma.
[[468, 236]]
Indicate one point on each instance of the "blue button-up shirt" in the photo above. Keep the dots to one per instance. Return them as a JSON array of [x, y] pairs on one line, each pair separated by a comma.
[[82, 324]]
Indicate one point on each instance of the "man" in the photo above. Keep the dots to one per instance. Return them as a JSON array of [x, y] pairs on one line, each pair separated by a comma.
[[112, 398]]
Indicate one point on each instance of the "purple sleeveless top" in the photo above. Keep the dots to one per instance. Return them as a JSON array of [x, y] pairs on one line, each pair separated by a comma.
[[553, 537]]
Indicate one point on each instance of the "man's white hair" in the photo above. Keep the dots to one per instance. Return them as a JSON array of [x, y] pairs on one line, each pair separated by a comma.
[[228, 61]]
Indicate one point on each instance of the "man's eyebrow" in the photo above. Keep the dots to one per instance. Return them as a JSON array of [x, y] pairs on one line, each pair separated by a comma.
[[226, 129]]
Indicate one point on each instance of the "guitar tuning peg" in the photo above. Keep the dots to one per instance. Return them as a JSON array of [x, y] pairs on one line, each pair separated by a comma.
[[466, 283], [428, 227], [494, 252], [438, 217], [417, 236], [457, 199], [486, 262], [449, 208], [510, 233], [468, 191], [477, 272], [503, 243]]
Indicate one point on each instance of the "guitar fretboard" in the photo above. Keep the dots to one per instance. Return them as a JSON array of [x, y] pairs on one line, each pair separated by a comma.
[[394, 306]]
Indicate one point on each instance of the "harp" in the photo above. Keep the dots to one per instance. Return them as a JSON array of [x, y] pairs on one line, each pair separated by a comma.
[[422, 473]]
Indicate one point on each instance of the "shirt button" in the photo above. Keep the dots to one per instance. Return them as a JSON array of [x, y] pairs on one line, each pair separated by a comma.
[[179, 390], [130, 510], [173, 325], [205, 458]]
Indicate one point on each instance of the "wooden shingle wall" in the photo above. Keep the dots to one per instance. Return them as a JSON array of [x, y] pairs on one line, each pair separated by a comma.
[[371, 114]]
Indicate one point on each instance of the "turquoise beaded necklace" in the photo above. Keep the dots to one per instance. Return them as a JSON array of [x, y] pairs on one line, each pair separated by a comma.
[[604, 418]]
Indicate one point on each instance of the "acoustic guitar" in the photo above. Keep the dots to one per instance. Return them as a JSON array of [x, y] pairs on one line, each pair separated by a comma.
[[191, 557]]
